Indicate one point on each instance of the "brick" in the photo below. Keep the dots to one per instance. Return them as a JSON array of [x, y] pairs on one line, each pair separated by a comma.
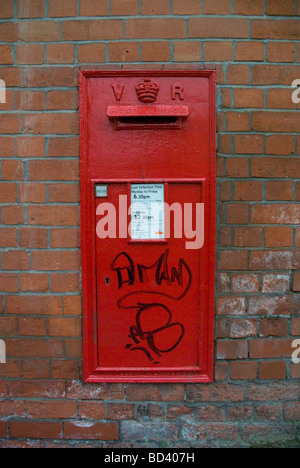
[[249, 144], [10, 123], [123, 51], [276, 7], [228, 305], [7, 10], [12, 75], [38, 31], [275, 29], [48, 215], [272, 283], [60, 53], [91, 410], [53, 170], [93, 8], [249, 51], [32, 193], [6, 57], [270, 348], [62, 326], [275, 167], [12, 170], [295, 326], [237, 213], [273, 74], [281, 52], [213, 7], [53, 261], [51, 409], [275, 214], [124, 7], [91, 431], [49, 77], [63, 369], [273, 260], [280, 145], [9, 283], [279, 99], [218, 27], [156, 7], [32, 326], [30, 147], [9, 32], [31, 8], [31, 100], [218, 51], [62, 100], [246, 370], [186, 7], [34, 305], [3, 429], [92, 30], [274, 326], [35, 430], [248, 191], [65, 238], [273, 305], [59, 9], [34, 282], [13, 214], [64, 193], [232, 349], [34, 238], [233, 260], [153, 392], [16, 260], [237, 167], [249, 236], [91, 53], [29, 54], [242, 328], [64, 282], [155, 28], [8, 237], [296, 282], [239, 122], [63, 146], [51, 123], [272, 391], [248, 7], [245, 283], [158, 51], [187, 51], [247, 97], [8, 192], [278, 236], [238, 74], [184, 51], [7, 147]]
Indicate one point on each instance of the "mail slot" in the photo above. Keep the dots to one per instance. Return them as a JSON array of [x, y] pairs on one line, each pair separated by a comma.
[[148, 202]]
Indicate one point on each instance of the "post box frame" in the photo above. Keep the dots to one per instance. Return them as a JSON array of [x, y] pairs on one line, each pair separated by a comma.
[[91, 372]]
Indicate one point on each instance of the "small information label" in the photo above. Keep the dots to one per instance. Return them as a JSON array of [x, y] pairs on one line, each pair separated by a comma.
[[101, 191], [147, 211]]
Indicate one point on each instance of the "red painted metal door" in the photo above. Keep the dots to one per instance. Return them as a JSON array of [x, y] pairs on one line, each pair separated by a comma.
[[148, 275]]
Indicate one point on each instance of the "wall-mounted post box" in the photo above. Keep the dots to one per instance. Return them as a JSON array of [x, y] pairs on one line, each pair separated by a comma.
[[148, 201]]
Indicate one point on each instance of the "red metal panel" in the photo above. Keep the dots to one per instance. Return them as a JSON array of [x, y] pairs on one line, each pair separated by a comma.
[[148, 302]]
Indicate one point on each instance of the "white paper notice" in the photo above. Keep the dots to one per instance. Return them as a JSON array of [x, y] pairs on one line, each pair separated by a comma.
[[147, 211]]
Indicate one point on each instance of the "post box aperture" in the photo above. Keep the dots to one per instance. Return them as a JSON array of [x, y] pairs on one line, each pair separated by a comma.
[[148, 199]]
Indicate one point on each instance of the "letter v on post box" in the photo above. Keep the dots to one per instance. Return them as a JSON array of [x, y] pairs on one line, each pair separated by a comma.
[[148, 224]]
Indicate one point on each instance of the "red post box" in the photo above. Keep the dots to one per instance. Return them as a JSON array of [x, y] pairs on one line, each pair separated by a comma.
[[148, 201]]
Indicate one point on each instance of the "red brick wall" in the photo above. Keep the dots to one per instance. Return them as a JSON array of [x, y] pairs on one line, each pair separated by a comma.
[[254, 45]]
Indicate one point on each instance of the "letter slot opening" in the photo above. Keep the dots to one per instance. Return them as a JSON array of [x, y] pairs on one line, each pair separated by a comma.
[[147, 117]]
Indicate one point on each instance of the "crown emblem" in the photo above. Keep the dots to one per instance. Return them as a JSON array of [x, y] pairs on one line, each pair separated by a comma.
[[147, 91]]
